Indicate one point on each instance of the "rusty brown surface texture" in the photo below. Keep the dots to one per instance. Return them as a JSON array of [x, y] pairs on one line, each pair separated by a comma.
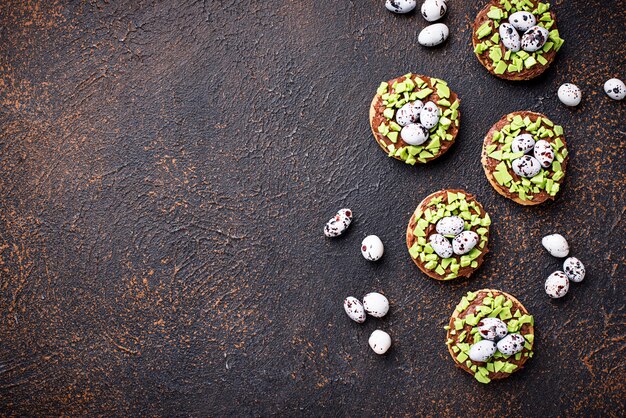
[[166, 168]]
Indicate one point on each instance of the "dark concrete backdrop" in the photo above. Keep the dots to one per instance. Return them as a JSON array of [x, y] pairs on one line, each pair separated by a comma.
[[166, 168]]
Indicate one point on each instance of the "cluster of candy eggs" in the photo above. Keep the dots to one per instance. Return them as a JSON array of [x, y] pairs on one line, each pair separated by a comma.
[[416, 119], [530, 165], [376, 305], [452, 227], [495, 337], [570, 94], [557, 284], [533, 37], [432, 10]]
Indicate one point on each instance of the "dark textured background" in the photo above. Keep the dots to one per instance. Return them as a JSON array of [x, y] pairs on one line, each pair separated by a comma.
[[166, 169]]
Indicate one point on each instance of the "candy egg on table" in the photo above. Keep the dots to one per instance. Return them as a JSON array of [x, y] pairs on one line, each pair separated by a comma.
[[450, 225], [433, 10], [511, 344], [338, 224], [433, 35], [441, 245], [557, 285], [372, 248], [526, 166], [414, 134], [569, 94], [376, 304], [354, 309], [492, 329], [615, 89], [400, 6], [574, 269], [379, 341], [556, 244], [482, 351]]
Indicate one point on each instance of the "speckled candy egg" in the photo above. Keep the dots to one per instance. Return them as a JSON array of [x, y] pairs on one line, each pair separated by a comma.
[[615, 89], [379, 341], [433, 10], [556, 244], [414, 134], [511, 344], [376, 304], [400, 6], [450, 225], [354, 309], [464, 242], [534, 38], [557, 285], [492, 329], [372, 248], [482, 351], [523, 143], [429, 116], [441, 245], [509, 37], [574, 269], [433, 35], [409, 113], [544, 153], [569, 94], [526, 166], [338, 224], [522, 21]]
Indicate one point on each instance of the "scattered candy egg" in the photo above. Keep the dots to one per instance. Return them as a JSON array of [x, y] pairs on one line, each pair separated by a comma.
[[464, 242], [522, 21], [450, 225], [509, 37], [409, 113], [615, 89], [429, 116], [492, 329], [534, 38], [557, 285], [433, 35], [379, 341], [569, 94], [526, 166], [414, 134], [523, 143], [511, 344], [372, 248], [574, 269], [338, 224], [433, 10], [544, 153], [482, 351], [354, 309], [556, 244], [376, 304], [441, 245]]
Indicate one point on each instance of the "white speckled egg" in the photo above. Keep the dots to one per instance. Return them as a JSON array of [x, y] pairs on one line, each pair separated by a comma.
[[429, 116], [569, 94], [379, 341], [526, 166], [544, 153], [338, 224], [400, 6], [482, 351], [354, 309], [574, 269], [414, 134], [433, 35], [376, 304], [441, 245], [492, 329], [523, 143], [534, 38], [511, 344], [615, 89], [450, 225], [557, 285], [409, 113], [464, 242], [433, 10], [522, 21], [556, 244], [372, 248], [509, 37]]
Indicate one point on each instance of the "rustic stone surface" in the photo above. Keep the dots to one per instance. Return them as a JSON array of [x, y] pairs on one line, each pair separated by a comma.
[[166, 169]]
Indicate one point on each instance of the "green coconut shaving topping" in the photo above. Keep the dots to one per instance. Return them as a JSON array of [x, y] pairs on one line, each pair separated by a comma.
[[509, 61], [454, 204], [547, 179], [409, 89], [491, 307]]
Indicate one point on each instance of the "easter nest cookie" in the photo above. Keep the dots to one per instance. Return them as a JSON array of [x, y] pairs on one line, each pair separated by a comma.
[[516, 39], [505, 328], [525, 157], [415, 118], [447, 235]]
